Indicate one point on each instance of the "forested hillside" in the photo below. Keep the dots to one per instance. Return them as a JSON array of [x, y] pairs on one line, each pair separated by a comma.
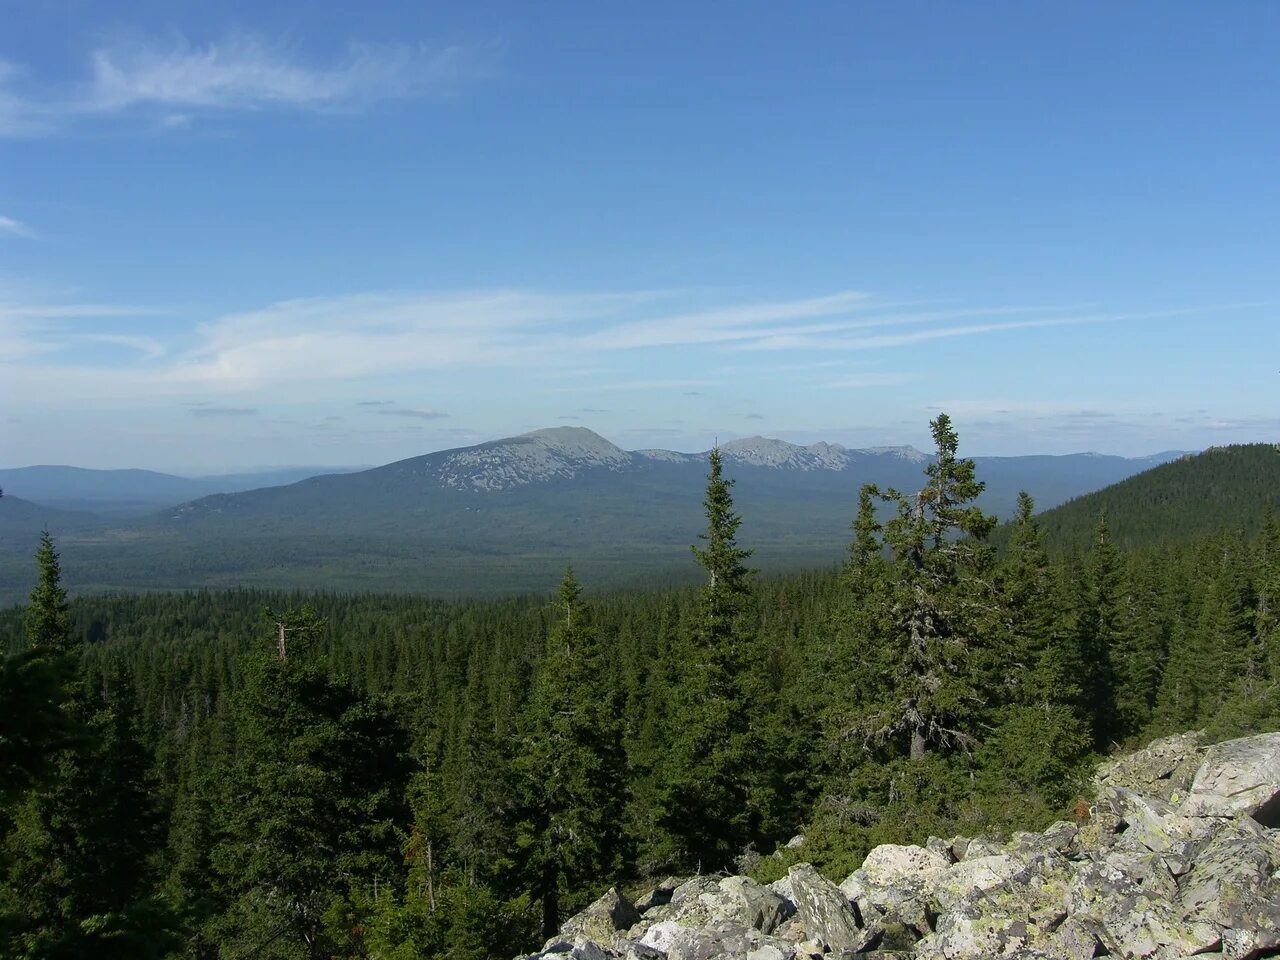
[[1224, 488], [252, 773]]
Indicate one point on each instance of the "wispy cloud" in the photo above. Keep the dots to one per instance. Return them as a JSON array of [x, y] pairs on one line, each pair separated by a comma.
[[365, 341], [412, 414], [871, 379], [211, 411], [14, 228], [173, 79]]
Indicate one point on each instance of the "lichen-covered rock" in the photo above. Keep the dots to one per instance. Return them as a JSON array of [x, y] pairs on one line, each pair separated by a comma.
[[604, 919], [679, 942], [735, 901], [1133, 921], [1234, 883], [1150, 876], [579, 948], [1164, 770], [825, 912], [894, 865], [1239, 778], [783, 889]]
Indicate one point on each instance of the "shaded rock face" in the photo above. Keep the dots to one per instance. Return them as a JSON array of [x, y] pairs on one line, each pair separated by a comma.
[[1179, 857]]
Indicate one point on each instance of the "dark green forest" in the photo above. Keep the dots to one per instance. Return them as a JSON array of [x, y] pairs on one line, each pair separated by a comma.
[[253, 773]]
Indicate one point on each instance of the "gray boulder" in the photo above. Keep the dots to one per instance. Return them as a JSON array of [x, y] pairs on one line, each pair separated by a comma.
[[1163, 770], [825, 912], [1239, 778], [730, 901], [604, 920]]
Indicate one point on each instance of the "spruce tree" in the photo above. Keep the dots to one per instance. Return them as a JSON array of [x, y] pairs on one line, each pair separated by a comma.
[[706, 773], [35, 685], [572, 765], [1102, 630], [78, 856], [931, 609], [1041, 735], [312, 802], [48, 621]]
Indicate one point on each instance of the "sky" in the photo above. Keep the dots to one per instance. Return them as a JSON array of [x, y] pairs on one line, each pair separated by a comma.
[[238, 235]]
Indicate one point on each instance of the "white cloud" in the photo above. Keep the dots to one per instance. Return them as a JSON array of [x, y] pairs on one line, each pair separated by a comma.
[[358, 344], [14, 228], [412, 414], [871, 379], [247, 72], [174, 79]]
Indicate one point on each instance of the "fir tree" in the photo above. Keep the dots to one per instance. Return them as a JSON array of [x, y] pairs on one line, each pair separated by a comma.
[[572, 765], [47, 619], [705, 804], [1040, 736], [932, 608], [1102, 631], [312, 802]]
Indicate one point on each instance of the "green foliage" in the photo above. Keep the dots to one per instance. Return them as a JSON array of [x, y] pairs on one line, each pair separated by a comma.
[[422, 778], [705, 778], [933, 606], [1190, 498], [312, 801], [572, 767], [48, 626]]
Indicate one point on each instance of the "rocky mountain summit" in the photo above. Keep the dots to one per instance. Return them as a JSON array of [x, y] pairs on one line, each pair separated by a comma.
[[1178, 856]]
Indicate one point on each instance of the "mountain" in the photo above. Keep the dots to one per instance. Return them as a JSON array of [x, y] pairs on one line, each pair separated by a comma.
[[21, 523], [122, 493], [1196, 494], [506, 516]]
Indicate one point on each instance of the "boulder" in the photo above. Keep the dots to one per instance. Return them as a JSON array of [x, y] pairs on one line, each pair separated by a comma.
[[1234, 883], [604, 919], [1163, 770], [1239, 778], [658, 895], [894, 865], [679, 942], [731, 901], [1134, 922], [825, 912], [580, 948]]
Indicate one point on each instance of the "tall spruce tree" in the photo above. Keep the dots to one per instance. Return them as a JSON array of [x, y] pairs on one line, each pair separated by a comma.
[[311, 804], [48, 620], [34, 721], [706, 809], [79, 856], [572, 765], [932, 608]]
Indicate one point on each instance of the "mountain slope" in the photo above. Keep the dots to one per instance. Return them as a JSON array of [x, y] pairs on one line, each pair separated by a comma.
[[507, 515], [22, 522], [1224, 487], [122, 493]]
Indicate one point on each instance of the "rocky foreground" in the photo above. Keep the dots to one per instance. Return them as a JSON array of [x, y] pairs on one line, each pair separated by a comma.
[[1179, 856]]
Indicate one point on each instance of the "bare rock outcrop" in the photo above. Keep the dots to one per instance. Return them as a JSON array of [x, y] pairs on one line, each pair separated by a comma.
[[1179, 857]]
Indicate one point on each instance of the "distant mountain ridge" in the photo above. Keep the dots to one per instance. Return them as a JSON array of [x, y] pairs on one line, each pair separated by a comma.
[[506, 516], [133, 492]]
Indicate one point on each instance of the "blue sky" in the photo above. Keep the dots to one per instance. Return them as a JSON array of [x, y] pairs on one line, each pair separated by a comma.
[[238, 234]]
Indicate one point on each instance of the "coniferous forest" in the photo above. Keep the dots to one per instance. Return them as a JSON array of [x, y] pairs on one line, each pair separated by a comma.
[[257, 774]]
